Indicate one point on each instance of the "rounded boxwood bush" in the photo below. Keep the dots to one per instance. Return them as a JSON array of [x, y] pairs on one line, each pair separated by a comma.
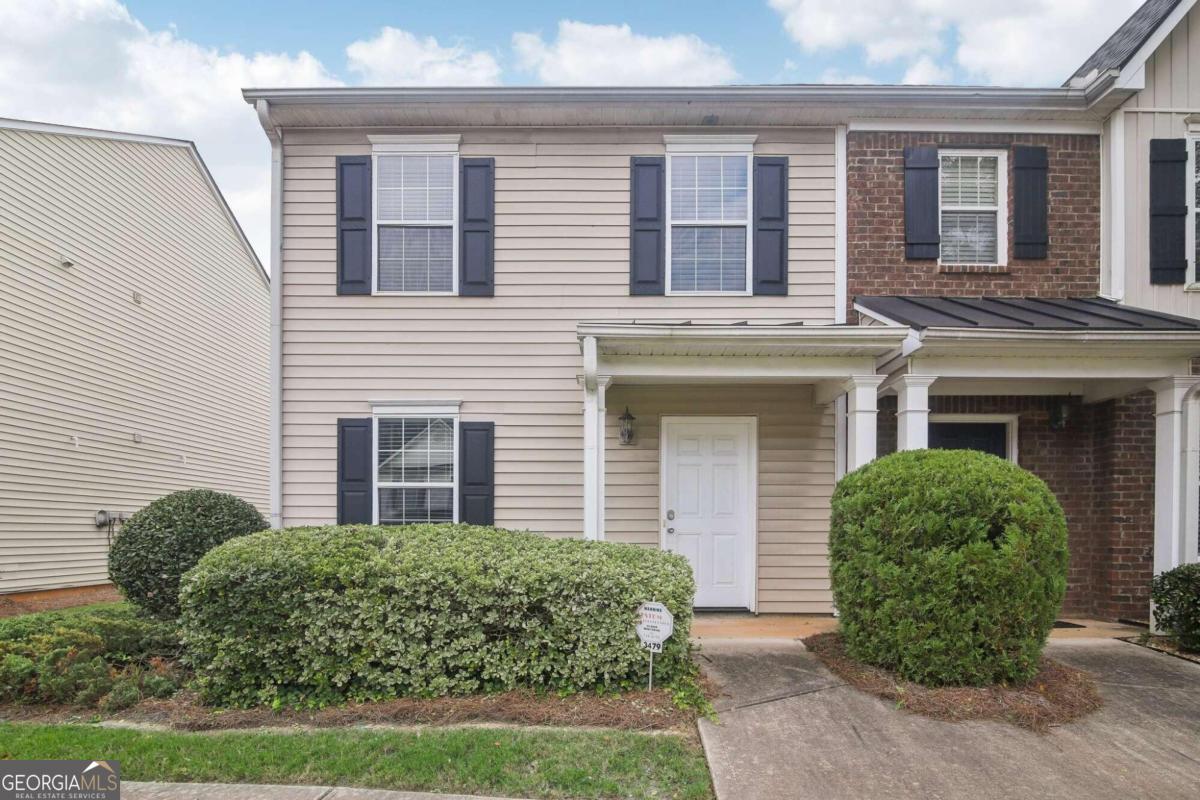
[[948, 566], [1176, 596], [166, 538], [313, 616]]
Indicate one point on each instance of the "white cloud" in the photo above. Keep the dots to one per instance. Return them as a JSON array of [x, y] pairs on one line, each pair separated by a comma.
[[399, 58], [926, 72], [837, 76], [585, 54], [1017, 42], [90, 63]]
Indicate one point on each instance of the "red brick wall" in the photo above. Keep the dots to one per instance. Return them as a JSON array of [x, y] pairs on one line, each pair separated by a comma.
[[875, 221], [1101, 469]]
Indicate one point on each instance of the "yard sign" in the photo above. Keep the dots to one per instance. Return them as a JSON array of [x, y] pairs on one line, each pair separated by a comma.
[[655, 625]]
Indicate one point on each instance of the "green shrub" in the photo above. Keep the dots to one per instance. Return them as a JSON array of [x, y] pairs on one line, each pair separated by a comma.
[[166, 538], [311, 616], [74, 656], [948, 566], [1176, 596], [124, 694]]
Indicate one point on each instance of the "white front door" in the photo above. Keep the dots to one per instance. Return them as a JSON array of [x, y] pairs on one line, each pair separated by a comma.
[[708, 508]]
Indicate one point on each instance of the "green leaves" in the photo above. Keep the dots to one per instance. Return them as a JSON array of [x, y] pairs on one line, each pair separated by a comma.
[[315, 616], [1176, 596], [166, 538], [948, 566]]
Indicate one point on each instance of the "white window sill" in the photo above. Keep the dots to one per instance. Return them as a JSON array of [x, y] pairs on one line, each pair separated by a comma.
[[414, 294], [710, 294]]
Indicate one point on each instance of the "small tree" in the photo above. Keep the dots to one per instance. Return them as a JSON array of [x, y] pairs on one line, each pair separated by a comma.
[[166, 539], [948, 566]]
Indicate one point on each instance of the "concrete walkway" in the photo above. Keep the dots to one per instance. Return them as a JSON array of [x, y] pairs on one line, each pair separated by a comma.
[[789, 729], [135, 790]]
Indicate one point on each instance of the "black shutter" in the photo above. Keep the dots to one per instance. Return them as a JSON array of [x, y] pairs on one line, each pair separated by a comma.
[[1030, 231], [921, 237], [477, 225], [354, 471], [1168, 211], [770, 225], [353, 224], [647, 225], [476, 475]]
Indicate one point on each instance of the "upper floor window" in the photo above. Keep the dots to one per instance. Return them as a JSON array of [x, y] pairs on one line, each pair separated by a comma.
[[708, 214], [416, 222], [973, 198]]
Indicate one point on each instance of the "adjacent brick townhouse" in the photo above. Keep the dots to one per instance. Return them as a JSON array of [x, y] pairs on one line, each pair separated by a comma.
[[134, 344], [674, 317]]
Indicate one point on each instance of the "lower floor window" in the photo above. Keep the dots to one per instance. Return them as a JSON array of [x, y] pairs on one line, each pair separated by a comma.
[[415, 469], [988, 437]]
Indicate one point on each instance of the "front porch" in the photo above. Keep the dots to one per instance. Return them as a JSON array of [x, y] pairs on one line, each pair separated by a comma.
[[1096, 399]]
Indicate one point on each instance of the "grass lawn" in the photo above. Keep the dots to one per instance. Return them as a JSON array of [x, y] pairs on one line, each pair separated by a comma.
[[527, 763]]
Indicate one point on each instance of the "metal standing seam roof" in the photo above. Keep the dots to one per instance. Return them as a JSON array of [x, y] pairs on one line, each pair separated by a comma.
[[1128, 39], [1022, 313]]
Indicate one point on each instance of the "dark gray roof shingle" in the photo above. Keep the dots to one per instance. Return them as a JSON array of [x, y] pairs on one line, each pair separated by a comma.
[[1128, 39], [1022, 313]]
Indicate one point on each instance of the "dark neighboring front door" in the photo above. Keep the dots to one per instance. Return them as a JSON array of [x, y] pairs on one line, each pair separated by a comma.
[[990, 437]]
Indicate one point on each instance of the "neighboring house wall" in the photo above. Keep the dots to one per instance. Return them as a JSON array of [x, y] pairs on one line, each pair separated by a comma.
[[875, 220], [1159, 111], [1101, 469], [795, 480], [561, 257], [158, 330]]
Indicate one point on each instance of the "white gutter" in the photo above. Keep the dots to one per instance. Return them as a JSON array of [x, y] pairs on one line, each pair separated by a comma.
[[1065, 98], [276, 368]]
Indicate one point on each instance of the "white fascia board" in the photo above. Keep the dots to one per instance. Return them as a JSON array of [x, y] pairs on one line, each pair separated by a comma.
[[1132, 75], [799, 334], [1057, 343], [90, 133], [926, 125]]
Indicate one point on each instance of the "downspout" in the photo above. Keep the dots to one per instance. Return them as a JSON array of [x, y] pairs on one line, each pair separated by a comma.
[[276, 367]]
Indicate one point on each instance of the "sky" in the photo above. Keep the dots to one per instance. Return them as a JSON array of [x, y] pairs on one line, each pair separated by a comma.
[[176, 68]]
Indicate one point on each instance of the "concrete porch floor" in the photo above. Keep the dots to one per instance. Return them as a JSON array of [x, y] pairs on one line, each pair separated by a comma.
[[708, 625]]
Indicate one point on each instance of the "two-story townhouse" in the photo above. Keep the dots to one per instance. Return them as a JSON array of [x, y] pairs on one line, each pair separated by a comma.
[[674, 317]]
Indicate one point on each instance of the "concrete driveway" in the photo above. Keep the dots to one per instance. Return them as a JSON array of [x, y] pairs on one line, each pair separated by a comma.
[[788, 728]]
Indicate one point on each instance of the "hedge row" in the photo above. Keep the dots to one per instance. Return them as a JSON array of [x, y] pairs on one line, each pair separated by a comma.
[[314, 616]]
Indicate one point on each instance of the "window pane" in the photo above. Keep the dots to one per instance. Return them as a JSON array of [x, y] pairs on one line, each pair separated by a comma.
[[706, 259], [709, 188], [415, 188], [416, 450], [413, 259], [969, 237], [969, 180], [402, 506]]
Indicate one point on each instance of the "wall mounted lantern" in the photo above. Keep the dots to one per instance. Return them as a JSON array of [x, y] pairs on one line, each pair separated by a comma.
[[627, 421], [1060, 415]]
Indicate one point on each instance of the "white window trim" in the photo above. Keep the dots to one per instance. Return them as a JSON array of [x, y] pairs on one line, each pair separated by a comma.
[[383, 145], [700, 145], [419, 409], [1001, 204], [1010, 421]]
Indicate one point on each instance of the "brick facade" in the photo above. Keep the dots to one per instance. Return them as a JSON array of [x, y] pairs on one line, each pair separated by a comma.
[[875, 221], [1101, 469]]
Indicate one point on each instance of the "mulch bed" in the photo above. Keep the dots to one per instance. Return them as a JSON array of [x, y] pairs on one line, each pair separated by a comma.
[[1163, 644], [12, 605], [639, 711], [1056, 695]]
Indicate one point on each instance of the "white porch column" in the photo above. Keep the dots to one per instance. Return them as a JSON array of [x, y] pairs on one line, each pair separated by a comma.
[[861, 408], [1170, 491], [593, 457], [912, 411]]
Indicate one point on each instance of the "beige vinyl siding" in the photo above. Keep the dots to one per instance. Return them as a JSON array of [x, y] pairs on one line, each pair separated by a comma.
[[562, 257], [1158, 111], [795, 480], [84, 367]]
